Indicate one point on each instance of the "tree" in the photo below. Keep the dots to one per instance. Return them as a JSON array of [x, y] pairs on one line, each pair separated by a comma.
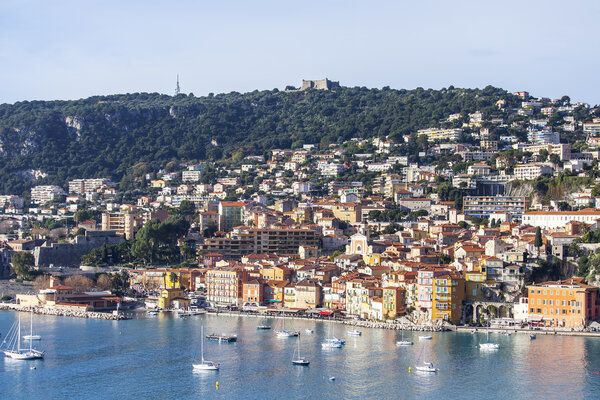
[[41, 282], [22, 263], [538, 238], [79, 283], [104, 282]]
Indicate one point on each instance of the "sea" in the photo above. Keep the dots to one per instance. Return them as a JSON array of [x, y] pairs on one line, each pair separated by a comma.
[[152, 357]]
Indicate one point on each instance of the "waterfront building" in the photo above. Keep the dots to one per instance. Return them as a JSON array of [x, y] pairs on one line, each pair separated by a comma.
[[570, 303], [448, 293], [393, 302], [309, 294], [224, 286], [173, 299]]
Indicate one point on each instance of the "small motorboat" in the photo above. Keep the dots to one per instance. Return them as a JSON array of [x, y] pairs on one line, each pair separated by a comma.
[[404, 343], [263, 327], [489, 346], [285, 334], [152, 313], [332, 378], [222, 338], [309, 331], [331, 345], [425, 337], [507, 333], [427, 367], [354, 333], [301, 361], [532, 336], [32, 337]]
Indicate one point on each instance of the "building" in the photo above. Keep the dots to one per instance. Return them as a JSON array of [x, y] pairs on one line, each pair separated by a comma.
[[527, 172], [592, 128], [45, 193], [569, 304], [252, 293], [309, 294], [82, 186], [448, 295], [121, 223], [321, 84], [244, 241], [483, 206], [224, 286], [563, 150], [434, 134], [191, 176], [393, 302], [230, 215], [556, 219]]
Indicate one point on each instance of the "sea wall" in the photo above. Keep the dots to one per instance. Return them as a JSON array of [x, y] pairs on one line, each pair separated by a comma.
[[62, 312]]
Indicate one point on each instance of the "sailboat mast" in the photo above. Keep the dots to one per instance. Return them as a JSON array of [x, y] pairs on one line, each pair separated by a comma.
[[31, 331], [202, 343], [19, 335]]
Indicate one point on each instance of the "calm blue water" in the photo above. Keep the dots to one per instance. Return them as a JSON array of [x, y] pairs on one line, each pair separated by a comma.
[[151, 359]]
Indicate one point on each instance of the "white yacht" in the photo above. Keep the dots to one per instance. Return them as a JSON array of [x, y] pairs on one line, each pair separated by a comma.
[[426, 367], [425, 337], [300, 360], [355, 332], [13, 346], [403, 342], [205, 365], [489, 345]]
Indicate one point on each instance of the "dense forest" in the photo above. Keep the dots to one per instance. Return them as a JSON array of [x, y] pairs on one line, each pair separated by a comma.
[[108, 136]]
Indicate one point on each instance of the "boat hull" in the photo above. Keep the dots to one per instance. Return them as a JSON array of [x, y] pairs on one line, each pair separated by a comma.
[[28, 355]]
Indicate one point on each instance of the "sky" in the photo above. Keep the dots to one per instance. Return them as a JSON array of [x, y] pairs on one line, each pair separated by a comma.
[[75, 49]]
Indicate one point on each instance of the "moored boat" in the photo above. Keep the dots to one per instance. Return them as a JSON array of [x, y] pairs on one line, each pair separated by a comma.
[[205, 365], [222, 338], [354, 333], [427, 367]]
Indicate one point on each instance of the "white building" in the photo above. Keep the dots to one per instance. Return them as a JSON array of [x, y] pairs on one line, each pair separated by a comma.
[[191, 175], [331, 169], [45, 193], [480, 169], [558, 219], [434, 134], [81, 186], [532, 171], [11, 201], [301, 187]]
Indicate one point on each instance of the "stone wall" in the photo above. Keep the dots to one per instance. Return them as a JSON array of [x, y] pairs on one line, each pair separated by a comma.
[[69, 254]]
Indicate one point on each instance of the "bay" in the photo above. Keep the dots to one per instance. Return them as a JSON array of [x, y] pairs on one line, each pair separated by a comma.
[[151, 358]]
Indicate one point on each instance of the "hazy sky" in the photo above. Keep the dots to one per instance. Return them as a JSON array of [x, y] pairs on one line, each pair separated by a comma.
[[73, 49]]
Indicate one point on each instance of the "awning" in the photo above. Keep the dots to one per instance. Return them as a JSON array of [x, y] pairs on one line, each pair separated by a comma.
[[325, 312]]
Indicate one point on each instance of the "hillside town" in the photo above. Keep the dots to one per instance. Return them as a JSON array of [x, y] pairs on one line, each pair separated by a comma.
[[484, 216]]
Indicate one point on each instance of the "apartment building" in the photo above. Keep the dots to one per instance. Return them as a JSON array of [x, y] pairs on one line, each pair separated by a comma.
[[82, 186], [483, 206], [230, 214], [591, 128], [563, 150], [224, 286], [191, 176], [570, 303], [448, 293], [121, 223], [556, 219], [45, 193], [434, 134], [532, 171], [241, 242]]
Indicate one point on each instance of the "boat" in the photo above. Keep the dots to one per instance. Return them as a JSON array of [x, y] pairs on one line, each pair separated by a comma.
[[489, 345], [152, 313], [507, 333], [205, 365], [263, 327], [403, 342], [283, 333], [309, 331], [331, 345], [13, 346], [300, 360], [354, 333], [425, 337], [532, 336], [222, 338], [427, 367]]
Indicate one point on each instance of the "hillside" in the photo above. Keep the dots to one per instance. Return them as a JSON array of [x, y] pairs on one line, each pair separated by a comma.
[[106, 136]]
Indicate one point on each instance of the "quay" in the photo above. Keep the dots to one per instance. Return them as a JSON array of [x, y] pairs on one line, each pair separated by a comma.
[[64, 312]]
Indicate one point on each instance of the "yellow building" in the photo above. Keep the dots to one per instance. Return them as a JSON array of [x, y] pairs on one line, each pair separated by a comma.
[[474, 281], [447, 297], [173, 298], [393, 302], [159, 183], [372, 259], [275, 273], [347, 212]]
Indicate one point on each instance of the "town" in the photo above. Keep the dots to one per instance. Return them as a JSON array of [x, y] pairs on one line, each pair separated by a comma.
[[483, 217]]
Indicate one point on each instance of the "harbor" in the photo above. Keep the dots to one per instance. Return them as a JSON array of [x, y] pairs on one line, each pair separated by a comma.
[[142, 353]]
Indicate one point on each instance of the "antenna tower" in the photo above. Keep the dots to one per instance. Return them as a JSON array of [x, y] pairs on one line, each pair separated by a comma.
[[177, 88]]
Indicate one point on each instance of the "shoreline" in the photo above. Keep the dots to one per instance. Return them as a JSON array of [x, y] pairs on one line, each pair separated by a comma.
[[63, 312]]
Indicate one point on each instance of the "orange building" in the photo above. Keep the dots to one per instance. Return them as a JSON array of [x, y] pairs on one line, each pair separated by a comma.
[[252, 293], [570, 303]]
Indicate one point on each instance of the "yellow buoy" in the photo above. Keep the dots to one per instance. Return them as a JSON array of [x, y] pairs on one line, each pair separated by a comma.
[[409, 369], [217, 384]]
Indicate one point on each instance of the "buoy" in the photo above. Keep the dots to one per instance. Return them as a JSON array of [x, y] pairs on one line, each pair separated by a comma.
[[217, 384], [409, 369]]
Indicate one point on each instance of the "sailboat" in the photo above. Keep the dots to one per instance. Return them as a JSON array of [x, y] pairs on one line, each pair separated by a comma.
[[403, 342], [489, 345], [286, 333], [205, 365], [31, 336], [333, 342], [300, 360], [427, 365], [14, 342]]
